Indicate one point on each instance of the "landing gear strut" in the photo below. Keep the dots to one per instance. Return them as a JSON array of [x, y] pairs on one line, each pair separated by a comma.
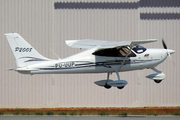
[[121, 87], [119, 83], [106, 85]]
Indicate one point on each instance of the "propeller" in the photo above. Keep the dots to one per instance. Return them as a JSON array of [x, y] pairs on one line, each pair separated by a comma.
[[169, 52], [164, 44]]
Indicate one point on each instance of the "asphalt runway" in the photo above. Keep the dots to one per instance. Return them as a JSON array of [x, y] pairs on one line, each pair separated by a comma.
[[58, 117]]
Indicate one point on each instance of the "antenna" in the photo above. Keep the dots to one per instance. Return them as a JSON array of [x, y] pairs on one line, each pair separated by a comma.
[[55, 54]]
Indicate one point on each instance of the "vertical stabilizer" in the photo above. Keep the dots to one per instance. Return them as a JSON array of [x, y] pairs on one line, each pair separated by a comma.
[[24, 53]]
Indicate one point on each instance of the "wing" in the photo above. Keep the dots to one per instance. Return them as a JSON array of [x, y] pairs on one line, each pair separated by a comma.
[[89, 43]]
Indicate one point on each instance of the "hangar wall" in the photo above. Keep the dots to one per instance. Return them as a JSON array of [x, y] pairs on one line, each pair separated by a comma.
[[46, 24]]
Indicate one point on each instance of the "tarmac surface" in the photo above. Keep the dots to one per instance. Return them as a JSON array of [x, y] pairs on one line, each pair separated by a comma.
[[86, 117]]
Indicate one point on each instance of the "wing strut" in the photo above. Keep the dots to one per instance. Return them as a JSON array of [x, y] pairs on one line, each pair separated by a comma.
[[125, 57]]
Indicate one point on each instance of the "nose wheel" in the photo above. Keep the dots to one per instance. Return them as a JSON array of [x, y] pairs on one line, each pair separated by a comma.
[[157, 81]]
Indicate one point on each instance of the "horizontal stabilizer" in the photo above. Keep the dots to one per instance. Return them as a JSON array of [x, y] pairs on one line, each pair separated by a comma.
[[11, 68], [26, 69], [22, 69]]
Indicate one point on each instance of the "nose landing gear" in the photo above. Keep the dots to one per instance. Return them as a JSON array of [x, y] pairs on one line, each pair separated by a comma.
[[158, 76]]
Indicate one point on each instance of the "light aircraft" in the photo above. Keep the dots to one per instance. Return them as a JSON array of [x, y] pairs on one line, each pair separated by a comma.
[[100, 57]]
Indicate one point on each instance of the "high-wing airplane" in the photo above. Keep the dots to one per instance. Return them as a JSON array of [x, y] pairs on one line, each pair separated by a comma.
[[100, 57]]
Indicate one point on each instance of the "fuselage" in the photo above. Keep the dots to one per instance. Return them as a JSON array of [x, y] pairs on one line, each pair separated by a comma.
[[86, 62]]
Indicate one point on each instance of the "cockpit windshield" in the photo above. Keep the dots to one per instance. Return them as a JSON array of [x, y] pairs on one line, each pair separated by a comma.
[[138, 49]]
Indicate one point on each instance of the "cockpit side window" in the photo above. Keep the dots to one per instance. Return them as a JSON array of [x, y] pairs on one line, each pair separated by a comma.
[[139, 49], [114, 52], [123, 51]]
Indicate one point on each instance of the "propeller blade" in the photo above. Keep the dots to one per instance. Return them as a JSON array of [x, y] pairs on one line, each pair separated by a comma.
[[170, 56], [169, 52], [164, 44]]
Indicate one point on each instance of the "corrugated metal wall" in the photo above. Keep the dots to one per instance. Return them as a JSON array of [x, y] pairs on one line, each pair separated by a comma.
[[47, 24]]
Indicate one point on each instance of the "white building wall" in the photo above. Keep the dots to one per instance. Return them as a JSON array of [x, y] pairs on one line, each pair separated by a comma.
[[47, 28]]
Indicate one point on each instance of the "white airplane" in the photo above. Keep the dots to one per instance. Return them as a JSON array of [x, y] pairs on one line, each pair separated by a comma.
[[100, 57]]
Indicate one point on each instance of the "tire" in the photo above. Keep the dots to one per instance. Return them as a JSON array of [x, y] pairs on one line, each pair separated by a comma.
[[107, 86], [120, 87], [157, 81]]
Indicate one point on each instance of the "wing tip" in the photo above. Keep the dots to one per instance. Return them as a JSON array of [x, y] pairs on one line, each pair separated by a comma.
[[153, 40]]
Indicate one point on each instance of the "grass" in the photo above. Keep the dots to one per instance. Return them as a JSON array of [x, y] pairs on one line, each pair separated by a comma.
[[63, 113], [103, 113], [122, 114], [93, 111], [24, 113], [154, 114], [17, 111], [134, 113], [80, 113], [39, 113], [1, 113], [73, 112], [50, 113], [176, 113]]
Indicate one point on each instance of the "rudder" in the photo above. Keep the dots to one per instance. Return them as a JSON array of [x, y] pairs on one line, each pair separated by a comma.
[[24, 53]]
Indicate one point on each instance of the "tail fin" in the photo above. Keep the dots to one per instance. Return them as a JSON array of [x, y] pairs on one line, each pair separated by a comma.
[[23, 52]]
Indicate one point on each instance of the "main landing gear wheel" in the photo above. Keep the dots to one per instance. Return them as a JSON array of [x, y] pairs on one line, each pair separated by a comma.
[[107, 86], [157, 81], [120, 87]]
